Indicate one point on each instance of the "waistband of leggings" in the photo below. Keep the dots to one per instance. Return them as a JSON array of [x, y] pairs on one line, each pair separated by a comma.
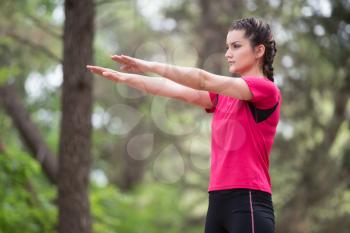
[[240, 191]]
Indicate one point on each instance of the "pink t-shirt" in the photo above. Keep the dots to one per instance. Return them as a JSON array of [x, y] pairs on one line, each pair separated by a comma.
[[242, 137]]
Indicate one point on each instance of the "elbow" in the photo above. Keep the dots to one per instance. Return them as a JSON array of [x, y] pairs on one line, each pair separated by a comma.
[[246, 96], [204, 79]]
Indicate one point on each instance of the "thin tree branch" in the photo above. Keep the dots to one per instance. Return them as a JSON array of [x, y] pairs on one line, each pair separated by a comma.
[[34, 46], [45, 28], [28, 131]]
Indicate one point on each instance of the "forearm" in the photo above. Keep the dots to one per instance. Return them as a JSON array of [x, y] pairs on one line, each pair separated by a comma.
[[155, 85], [187, 76]]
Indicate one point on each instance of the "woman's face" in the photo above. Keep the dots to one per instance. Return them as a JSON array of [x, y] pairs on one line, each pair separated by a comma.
[[240, 55]]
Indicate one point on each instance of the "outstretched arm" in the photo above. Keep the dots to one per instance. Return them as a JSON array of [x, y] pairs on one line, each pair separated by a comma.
[[202, 80], [156, 86], [192, 77]]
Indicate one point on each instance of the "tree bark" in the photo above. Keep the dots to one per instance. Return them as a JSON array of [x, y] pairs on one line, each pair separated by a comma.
[[76, 128], [214, 32]]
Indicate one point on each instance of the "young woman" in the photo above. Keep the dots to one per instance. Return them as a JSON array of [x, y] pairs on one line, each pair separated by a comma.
[[245, 116]]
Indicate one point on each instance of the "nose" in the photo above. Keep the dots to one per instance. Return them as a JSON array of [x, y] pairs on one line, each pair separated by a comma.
[[228, 54]]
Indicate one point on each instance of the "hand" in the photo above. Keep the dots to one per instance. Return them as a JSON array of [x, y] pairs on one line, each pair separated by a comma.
[[134, 65], [108, 73]]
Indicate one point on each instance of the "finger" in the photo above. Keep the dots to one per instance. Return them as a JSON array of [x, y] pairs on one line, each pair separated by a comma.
[[127, 58], [98, 69], [119, 59], [123, 59], [109, 75], [115, 76], [95, 69]]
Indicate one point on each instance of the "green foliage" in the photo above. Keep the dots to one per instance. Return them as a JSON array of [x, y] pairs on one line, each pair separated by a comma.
[[6, 72], [25, 197], [150, 208]]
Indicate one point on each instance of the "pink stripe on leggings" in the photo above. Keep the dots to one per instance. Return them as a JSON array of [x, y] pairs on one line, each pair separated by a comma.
[[251, 210]]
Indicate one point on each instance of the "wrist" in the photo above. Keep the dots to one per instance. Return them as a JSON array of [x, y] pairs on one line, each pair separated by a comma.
[[159, 68], [152, 67]]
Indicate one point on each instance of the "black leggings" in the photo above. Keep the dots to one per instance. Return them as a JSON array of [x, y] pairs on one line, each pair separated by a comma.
[[240, 211]]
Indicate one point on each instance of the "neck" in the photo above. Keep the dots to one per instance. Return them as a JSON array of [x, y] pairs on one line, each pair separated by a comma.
[[254, 71]]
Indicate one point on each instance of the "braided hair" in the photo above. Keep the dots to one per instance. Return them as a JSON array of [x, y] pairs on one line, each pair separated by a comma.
[[258, 33]]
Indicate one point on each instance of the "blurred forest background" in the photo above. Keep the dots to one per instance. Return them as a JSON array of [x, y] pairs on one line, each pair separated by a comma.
[[81, 154]]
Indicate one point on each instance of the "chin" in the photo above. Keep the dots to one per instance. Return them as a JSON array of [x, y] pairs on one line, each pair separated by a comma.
[[233, 71]]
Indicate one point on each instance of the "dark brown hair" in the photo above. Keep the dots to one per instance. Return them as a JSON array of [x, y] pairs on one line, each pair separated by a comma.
[[258, 33]]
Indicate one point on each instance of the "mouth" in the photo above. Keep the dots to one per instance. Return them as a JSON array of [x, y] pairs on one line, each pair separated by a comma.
[[231, 62]]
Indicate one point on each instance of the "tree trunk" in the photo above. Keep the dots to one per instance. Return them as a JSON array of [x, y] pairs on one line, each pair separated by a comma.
[[75, 134], [214, 32]]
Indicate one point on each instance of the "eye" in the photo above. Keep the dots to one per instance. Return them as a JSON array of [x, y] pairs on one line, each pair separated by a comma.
[[236, 46]]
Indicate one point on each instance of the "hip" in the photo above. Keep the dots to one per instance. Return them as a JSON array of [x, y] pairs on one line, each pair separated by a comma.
[[242, 200]]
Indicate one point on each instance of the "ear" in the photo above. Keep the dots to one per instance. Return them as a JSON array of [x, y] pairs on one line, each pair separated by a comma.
[[259, 51]]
